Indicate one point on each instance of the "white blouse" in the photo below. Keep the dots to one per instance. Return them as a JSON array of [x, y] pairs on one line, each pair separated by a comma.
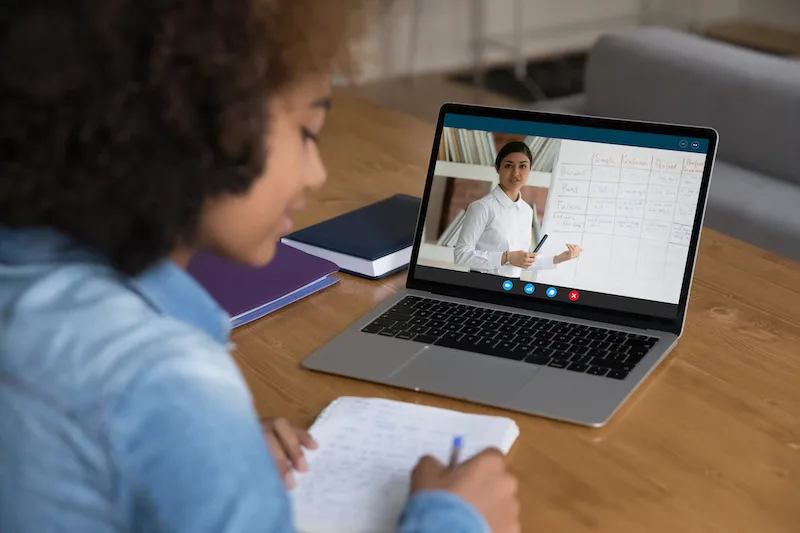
[[493, 225]]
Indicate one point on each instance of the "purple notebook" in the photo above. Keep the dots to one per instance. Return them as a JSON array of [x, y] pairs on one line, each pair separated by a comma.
[[250, 293]]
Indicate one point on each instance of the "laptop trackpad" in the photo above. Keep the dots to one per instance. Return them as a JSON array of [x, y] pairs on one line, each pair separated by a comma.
[[470, 376]]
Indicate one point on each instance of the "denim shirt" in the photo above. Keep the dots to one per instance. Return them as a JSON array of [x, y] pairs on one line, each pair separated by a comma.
[[122, 411]]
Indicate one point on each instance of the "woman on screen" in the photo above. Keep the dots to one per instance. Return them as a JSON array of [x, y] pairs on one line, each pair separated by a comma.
[[497, 231]]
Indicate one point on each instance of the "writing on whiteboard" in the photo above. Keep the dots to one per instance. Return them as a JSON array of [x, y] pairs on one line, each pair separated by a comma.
[[575, 172], [567, 222], [680, 234], [634, 161], [694, 165], [608, 160], [665, 165], [600, 224], [632, 192], [572, 205], [605, 174], [603, 190], [628, 226], [659, 210], [632, 208], [656, 230], [573, 188], [602, 206], [635, 176], [684, 213]]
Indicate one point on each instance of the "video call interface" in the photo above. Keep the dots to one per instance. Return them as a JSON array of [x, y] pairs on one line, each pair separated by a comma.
[[589, 216]]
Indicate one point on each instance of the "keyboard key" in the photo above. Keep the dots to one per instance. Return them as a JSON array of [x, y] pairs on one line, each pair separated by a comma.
[[544, 343], [537, 360], [412, 299], [423, 314], [576, 367], [371, 328], [562, 338], [470, 330], [453, 335], [423, 306], [611, 365], [579, 341], [561, 356], [600, 345], [560, 346], [558, 364], [436, 332], [450, 326], [600, 354], [439, 308], [440, 316], [508, 328], [455, 319], [617, 374], [581, 359], [473, 322], [388, 332], [397, 317], [638, 352], [544, 335], [616, 339], [542, 352], [505, 336], [384, 323], [418, 321], [484, 343], [578, 350], [509, 350], [619, 348], [438, 324], [526, 332], [420, 330], [598, 336], [426, 339], [405, 335], [597, 371]]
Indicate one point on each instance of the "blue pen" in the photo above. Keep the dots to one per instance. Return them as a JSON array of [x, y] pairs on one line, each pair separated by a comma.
[[455, 452]]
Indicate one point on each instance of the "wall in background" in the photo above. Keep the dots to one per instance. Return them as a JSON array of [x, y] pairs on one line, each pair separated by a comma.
[[445, 31], [780, 13], [549, 27]]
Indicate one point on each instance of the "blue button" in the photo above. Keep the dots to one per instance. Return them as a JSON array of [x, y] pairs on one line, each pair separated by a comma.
[[507, 285], [684, 143], [695, 144], [529, 288], [551, 292]]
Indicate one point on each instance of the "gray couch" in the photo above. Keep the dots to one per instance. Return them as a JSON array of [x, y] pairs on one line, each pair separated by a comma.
[[751, 99]]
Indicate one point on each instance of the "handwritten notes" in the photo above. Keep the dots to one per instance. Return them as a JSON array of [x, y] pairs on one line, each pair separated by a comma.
[[575, 172], [567, 222], [579, 189], [359, 478], [600, 224], [641, 201], [602, 206]]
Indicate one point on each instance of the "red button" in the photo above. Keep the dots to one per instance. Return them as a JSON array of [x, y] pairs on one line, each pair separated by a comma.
[[574, 295]]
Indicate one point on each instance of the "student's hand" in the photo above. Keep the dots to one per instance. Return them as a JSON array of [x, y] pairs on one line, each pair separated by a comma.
[[573, 251], [483, 481], [286, 444], [522, 259]]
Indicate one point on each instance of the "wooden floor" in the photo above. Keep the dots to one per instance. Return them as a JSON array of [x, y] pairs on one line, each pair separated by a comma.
[[422, 96]]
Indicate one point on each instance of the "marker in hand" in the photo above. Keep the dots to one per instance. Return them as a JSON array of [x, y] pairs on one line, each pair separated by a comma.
[[455, 453]]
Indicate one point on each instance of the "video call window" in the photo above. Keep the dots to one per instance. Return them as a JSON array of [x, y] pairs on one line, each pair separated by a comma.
[[618, 218]]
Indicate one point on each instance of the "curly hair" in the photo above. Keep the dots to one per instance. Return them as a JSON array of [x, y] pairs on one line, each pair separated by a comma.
[[120, 118]]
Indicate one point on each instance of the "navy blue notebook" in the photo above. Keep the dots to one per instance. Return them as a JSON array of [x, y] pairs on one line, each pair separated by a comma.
[[370, 242]]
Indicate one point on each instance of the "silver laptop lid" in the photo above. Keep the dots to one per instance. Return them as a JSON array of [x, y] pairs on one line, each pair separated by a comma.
[[621, 204]]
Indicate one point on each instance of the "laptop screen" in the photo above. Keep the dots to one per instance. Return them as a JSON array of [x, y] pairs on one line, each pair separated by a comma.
[[583, 215]]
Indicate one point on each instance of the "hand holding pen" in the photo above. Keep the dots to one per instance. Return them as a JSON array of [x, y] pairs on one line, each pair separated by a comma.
[[482, 481]]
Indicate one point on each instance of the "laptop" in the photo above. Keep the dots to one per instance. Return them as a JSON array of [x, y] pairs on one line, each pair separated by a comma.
[[573, 335]]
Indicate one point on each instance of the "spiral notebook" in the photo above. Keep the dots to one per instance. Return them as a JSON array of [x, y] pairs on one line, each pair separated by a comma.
[[359, 478]]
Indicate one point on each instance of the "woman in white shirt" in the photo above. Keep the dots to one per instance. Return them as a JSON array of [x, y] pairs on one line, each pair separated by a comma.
[[497, 231]]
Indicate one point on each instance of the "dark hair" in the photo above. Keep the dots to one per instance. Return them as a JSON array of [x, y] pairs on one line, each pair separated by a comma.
[[120, 118], [514, 147]]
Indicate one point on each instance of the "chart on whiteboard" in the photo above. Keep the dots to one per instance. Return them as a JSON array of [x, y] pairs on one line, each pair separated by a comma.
[[631, 209]]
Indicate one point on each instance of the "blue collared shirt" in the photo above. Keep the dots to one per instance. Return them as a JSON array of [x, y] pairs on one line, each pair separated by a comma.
[[122, 411]]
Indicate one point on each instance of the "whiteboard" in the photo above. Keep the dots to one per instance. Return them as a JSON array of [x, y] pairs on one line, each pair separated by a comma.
[[631, 209]]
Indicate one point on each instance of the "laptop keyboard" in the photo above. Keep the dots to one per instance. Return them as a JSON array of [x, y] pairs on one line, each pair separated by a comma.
[[539, 341]]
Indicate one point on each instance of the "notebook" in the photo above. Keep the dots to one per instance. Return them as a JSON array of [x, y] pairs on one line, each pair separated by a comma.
[[359, 478], [247, 293], [370, 242]]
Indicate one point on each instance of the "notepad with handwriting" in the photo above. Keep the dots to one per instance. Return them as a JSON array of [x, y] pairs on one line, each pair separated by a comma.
[[358, 479]]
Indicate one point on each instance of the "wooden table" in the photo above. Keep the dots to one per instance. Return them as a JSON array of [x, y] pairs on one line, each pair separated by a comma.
[[710, 443]]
